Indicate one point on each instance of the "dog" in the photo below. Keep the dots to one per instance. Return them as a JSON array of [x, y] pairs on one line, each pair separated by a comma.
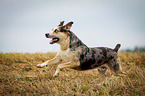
[[78, 56]]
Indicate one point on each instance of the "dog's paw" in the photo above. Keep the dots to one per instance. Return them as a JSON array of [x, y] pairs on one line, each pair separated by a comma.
[[40, 65], [55, 75]]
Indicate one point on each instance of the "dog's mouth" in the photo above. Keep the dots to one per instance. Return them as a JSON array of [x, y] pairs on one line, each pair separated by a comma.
[[54, 40]]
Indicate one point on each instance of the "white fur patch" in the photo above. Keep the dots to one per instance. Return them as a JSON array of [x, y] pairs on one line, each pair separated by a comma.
[[64, 55]]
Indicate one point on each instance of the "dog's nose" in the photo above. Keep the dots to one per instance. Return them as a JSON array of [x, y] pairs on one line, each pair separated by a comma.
[[47, 35]]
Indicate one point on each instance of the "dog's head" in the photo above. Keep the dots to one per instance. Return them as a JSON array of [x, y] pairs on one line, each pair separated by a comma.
[[60, 33]]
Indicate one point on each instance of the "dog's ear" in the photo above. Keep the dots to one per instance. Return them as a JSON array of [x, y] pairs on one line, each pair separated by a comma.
[[61, 23], [68, 26]]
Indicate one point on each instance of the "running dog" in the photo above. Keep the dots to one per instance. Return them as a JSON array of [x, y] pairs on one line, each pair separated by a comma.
[[78, 56]]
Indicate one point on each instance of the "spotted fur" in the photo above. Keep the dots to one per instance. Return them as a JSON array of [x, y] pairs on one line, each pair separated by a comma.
[[78, 56]]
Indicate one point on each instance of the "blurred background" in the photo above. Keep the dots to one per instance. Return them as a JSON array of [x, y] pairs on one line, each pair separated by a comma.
[[23, 23]]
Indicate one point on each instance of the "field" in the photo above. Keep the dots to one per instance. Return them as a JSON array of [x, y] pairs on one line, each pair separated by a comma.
[[20, 76]]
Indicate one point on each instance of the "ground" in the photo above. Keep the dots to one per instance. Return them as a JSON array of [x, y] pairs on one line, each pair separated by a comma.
[[20, 76]]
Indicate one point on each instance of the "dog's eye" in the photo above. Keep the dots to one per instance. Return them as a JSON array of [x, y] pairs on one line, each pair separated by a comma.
[[56, 30]]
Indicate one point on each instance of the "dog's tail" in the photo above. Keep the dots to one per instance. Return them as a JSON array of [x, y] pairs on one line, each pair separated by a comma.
[[117, 47]]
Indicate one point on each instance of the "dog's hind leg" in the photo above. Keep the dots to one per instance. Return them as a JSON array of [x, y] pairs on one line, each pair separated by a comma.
[[115, 67], [102, 72]]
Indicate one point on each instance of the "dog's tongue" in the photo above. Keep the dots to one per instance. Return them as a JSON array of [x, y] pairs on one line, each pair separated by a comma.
[[53, 40]]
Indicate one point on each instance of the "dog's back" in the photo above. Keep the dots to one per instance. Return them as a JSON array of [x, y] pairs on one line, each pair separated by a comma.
[[94, 57]]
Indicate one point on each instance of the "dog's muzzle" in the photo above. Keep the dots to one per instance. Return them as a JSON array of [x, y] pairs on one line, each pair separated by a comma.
[[55, 39]]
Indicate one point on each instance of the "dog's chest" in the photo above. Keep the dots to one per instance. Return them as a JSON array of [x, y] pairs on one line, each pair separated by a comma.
[[65, 55]]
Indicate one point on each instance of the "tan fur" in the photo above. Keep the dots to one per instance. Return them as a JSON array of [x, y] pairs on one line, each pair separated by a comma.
[[64, 54]]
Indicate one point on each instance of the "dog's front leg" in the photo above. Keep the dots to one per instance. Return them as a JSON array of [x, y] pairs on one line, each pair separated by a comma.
[[64, 65], [55, 60]]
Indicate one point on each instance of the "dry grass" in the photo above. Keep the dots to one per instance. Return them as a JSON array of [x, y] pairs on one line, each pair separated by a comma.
[[20, 76]]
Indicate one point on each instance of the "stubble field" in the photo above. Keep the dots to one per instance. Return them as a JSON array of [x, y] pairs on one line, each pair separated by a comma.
[[20, 76]]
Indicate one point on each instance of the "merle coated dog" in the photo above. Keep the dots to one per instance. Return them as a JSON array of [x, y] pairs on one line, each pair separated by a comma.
[[78, 56]]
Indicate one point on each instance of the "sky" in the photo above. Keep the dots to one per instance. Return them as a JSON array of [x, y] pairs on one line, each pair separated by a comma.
[[23, 23]]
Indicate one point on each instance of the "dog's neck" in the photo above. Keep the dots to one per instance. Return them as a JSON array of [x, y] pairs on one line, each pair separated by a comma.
[[75, 42], [65, 44]]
